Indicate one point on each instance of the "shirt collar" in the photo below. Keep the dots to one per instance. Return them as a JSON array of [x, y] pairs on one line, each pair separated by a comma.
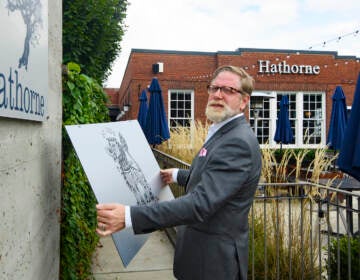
[[216, 126]]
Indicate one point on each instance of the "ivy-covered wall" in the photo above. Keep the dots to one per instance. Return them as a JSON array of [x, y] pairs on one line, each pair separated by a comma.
[[84, 101]]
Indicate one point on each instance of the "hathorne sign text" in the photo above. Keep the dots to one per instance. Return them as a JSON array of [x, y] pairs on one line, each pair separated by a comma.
[[266, 67]]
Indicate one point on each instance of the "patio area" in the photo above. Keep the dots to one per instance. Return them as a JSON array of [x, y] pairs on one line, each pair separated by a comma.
[[153, 261], [297, 231]]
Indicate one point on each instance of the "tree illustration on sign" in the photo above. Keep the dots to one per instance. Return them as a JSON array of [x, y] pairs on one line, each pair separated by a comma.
[[31, 13]]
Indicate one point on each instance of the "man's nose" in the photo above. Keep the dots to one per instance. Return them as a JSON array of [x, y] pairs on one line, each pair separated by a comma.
[[218, 94]]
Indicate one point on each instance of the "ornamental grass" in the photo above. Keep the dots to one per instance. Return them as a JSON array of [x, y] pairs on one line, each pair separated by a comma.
[[282, 241]]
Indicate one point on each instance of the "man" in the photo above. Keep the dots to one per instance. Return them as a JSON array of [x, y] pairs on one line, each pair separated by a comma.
[[212, 217]]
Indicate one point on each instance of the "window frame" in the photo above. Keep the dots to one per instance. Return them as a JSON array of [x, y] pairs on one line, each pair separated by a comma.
[[177, 91], [299, 119]]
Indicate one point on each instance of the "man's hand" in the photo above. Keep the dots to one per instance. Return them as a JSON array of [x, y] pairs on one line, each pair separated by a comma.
[[110, 218], [166, 175]]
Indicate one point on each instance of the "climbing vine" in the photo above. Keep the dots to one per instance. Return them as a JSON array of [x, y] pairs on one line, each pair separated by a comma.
[[84, 102]]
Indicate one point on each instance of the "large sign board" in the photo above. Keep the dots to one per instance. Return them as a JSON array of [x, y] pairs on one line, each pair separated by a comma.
[[121, 168], [24, 59]]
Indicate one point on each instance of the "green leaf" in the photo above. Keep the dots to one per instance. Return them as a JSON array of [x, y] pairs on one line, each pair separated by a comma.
[[73, 67]]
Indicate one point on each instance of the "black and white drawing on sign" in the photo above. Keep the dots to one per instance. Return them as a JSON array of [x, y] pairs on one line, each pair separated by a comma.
[[117, 148]]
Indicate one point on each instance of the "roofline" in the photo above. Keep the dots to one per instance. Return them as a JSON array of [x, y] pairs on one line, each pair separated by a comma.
[[241, 50], [172, 52], [334, 53]]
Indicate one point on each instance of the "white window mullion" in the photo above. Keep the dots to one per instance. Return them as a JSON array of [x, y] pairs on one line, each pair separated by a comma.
[[299, 141], [323, 119], [273, 118]]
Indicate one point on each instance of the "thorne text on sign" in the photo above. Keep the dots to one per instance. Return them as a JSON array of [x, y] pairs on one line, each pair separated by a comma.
[[14, 96], [266, 67]]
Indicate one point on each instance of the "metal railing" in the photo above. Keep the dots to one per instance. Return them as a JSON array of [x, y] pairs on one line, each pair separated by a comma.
[[298, 230]]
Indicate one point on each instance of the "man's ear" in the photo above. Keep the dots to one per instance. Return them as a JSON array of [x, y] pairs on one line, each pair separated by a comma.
[[245, 99]]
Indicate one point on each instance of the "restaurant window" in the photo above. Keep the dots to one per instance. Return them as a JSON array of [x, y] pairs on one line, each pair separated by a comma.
[[180, 108], [306, 114], [312, 118], [292, 111], [348, 111], [260, 115]]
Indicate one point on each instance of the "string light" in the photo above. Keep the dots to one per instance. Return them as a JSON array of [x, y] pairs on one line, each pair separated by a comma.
[[337, 39], [201, 77]]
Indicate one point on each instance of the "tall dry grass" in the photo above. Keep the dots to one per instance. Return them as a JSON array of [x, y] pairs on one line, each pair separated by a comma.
[[185, 142], [282, 250]]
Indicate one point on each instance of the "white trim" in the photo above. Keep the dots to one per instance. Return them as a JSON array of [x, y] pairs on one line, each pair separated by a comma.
[[298, 121], [191, 91]]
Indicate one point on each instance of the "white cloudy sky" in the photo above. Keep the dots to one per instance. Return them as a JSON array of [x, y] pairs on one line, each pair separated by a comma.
[[225, 25]]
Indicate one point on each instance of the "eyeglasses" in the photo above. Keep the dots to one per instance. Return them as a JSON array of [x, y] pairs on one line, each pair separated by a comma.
[[226, 90]]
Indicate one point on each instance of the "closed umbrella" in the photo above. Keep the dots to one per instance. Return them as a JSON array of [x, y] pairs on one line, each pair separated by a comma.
[[283, 132], [338, 120], [143, 109], [349, 156], [156, 128]]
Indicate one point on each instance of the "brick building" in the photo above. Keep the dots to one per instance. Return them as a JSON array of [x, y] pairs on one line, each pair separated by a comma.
[[308, 78]]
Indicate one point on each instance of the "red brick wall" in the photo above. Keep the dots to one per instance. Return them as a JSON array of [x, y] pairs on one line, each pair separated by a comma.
[[113, 94], [192, 70]]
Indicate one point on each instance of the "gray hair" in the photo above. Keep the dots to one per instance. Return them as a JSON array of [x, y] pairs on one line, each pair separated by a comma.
[[247, 82]]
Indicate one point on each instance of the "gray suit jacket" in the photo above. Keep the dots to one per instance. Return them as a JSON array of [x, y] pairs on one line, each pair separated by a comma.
[[212, 237]]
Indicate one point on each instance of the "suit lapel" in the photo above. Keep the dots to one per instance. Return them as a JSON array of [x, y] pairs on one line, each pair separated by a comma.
[[230, 125], [209, 144]]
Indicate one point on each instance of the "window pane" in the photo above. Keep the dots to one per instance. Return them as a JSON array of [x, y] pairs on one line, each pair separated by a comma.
[[312, 118], [259, 117], [181, 113]]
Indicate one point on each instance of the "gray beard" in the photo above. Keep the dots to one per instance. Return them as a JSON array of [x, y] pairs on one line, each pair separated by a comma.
[[216, 116]]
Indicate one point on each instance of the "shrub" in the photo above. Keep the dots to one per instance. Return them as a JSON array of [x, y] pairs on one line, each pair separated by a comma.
[[339, 257], [92, 32], [281, 250]]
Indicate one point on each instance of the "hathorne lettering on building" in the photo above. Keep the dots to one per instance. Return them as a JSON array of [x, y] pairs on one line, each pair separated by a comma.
[[266, 67]]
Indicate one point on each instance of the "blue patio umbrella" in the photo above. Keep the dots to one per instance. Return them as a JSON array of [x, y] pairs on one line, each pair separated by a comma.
[[143, 109], [283, 132], [349, 157], [156, 128], [338, 119]]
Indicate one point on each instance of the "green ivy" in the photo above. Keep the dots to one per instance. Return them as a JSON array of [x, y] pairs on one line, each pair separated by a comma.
[[84, 101]]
